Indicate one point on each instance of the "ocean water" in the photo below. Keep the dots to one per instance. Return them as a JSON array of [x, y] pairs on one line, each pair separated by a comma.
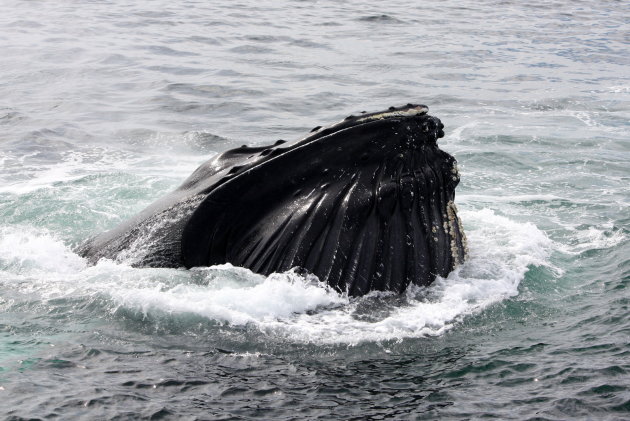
[[107, 105]]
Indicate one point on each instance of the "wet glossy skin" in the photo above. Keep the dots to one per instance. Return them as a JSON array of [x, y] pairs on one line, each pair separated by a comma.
[[365, 204]]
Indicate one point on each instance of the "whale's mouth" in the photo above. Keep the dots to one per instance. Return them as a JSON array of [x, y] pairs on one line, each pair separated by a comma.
[[365, 204]]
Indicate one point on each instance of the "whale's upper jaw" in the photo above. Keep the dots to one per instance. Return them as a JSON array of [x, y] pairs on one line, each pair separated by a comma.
[[409, 111]]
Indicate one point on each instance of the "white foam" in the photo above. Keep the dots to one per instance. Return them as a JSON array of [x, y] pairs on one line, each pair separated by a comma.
[[288, 305], [258, 300], [593, 238], [25, 250]]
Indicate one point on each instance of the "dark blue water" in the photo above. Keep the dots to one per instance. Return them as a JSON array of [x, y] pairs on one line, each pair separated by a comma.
[[106, 106]]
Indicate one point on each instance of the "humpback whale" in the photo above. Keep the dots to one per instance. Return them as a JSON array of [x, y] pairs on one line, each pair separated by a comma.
[[364, 204]]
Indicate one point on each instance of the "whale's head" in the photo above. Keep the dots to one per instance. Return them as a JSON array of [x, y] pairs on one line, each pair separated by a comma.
[[365, 204]]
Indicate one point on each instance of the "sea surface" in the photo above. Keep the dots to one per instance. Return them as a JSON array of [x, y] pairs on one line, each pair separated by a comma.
[[106, 106]]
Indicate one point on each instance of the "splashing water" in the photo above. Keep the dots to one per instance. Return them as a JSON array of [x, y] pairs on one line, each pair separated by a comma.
[[288, 304]]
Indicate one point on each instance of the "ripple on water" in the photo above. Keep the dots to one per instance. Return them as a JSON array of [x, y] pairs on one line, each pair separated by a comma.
[[113, 104]]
